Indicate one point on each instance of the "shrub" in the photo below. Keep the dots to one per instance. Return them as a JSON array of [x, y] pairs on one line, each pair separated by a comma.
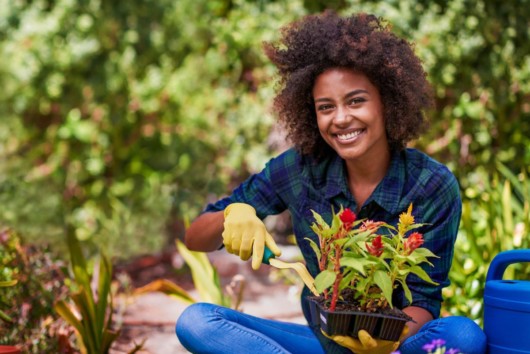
[[31, 321]]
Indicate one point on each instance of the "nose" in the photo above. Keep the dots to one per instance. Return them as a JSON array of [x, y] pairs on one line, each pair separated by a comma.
[[342, 116]]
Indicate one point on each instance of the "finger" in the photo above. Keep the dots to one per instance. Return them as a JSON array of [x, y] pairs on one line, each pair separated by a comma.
[[395, 346], [227, 241], [257, 252], [348, 342], [245, 247], [269, 241], [236, 245], [256, 262], [366, 339]]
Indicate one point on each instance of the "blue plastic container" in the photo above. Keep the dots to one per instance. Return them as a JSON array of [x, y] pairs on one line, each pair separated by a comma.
[[507, 306]]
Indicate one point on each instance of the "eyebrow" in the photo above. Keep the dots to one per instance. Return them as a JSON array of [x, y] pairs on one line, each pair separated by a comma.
[[348, 95]]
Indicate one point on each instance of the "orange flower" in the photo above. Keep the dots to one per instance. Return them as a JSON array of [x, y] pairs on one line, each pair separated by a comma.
[[347, 217], [414, 241], [376, 248]]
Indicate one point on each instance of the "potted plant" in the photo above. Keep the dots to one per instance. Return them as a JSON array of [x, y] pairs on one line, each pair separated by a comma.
[[359, 270]]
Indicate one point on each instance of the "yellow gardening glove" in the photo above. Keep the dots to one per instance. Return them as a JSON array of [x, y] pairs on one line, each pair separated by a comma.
[[367, 344], [245, 234]]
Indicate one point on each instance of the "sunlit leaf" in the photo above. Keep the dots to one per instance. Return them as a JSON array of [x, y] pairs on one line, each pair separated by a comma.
[[383, 281], [167, 287], [324, 280]]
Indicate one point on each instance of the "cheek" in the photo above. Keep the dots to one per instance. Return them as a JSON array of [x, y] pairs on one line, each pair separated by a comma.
[[322, 123]]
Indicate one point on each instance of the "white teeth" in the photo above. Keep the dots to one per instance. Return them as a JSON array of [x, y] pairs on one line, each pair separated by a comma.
[[349, 135]]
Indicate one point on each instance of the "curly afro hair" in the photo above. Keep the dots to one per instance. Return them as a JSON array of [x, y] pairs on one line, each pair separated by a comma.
[[363, 43]]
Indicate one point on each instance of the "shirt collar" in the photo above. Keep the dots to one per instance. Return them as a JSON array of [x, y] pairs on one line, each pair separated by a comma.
[[388, 192], [336, 178]]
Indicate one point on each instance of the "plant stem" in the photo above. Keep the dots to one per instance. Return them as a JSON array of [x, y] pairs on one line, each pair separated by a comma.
[[338, 279], [324, 260]]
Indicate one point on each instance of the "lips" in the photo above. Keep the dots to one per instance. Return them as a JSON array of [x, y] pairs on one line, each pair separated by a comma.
[[346, 137]]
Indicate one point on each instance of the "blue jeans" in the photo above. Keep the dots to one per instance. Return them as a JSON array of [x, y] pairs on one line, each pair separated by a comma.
[[208, 328]]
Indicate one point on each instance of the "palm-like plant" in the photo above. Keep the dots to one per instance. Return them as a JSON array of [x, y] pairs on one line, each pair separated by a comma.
[[90, 314]]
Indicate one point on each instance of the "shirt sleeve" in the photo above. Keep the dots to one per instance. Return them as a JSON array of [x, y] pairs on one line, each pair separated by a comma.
[[441, 209], [262, 190]]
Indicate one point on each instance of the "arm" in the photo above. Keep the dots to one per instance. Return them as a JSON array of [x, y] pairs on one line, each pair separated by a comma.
[[420, 315], [205, 232], [239, 229]]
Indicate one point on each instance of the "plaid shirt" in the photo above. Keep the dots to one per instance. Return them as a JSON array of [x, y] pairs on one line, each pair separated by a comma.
[[301, 184]]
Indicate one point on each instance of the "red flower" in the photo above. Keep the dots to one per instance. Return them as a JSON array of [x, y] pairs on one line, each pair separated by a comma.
[[376, 248], [347, 217], [414, 241]]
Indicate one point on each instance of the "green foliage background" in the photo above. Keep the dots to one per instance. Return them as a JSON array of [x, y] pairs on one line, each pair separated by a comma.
[[119, 119]]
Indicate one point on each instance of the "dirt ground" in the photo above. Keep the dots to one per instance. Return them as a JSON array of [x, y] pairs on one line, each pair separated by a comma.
[[151, 317]]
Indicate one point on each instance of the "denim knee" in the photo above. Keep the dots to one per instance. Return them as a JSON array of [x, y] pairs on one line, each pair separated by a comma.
[[191, 323], [465, 335], [458, 333]]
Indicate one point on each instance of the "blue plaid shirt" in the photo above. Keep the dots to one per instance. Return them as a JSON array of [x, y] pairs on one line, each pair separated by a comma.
[[299, 183]]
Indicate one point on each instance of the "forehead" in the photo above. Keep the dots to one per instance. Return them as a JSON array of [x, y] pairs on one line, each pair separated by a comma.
[[339, 79]]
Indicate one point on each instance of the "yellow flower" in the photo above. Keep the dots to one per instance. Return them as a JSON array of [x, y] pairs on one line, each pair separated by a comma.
[[406, 219]]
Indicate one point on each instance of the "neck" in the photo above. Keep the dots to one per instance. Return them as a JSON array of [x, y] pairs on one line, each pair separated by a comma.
[[365, 175], [368, 170]]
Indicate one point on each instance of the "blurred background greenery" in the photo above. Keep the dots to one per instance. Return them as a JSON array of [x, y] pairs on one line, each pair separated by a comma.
[[120, 120]]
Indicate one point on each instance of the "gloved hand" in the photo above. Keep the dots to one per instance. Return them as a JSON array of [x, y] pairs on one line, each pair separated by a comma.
[[367, 344], [245, 234]]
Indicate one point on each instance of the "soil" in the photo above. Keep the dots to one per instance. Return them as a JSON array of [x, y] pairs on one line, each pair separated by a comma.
[[349, 317], [349, 303]]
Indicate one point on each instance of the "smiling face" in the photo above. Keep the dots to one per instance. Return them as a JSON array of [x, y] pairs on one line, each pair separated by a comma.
[[350, 115]]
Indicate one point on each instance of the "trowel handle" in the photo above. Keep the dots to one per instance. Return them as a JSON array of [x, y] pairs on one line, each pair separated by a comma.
[[267, 254], [503, 260]]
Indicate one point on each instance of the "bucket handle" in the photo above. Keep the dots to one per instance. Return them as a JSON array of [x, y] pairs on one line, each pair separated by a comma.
[[504, 259]]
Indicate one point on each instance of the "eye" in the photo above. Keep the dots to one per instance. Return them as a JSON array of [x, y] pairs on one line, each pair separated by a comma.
[[324, 107], [356, 100]]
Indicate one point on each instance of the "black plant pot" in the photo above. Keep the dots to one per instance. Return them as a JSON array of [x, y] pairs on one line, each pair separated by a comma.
[[349, 323]]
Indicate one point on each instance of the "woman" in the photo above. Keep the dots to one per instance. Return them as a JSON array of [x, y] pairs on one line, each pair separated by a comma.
[[352, 95]]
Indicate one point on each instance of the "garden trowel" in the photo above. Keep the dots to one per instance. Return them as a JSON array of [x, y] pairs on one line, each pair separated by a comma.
[[269, 258]]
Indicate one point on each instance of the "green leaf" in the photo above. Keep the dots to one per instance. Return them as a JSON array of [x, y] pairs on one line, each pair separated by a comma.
[[425, 252], [335, 223], [105, 274], [507, 207], [422, 274], [319, 220], [5, 317], [406, 290], [340, 242], [324, 280], [346, 279], [92, 331], [7, 283], [315, 248], [203, 274], [64, 311], [356, 263], [383, 281], [403, 271], [109, 337], [167, 287], [78, 262]]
